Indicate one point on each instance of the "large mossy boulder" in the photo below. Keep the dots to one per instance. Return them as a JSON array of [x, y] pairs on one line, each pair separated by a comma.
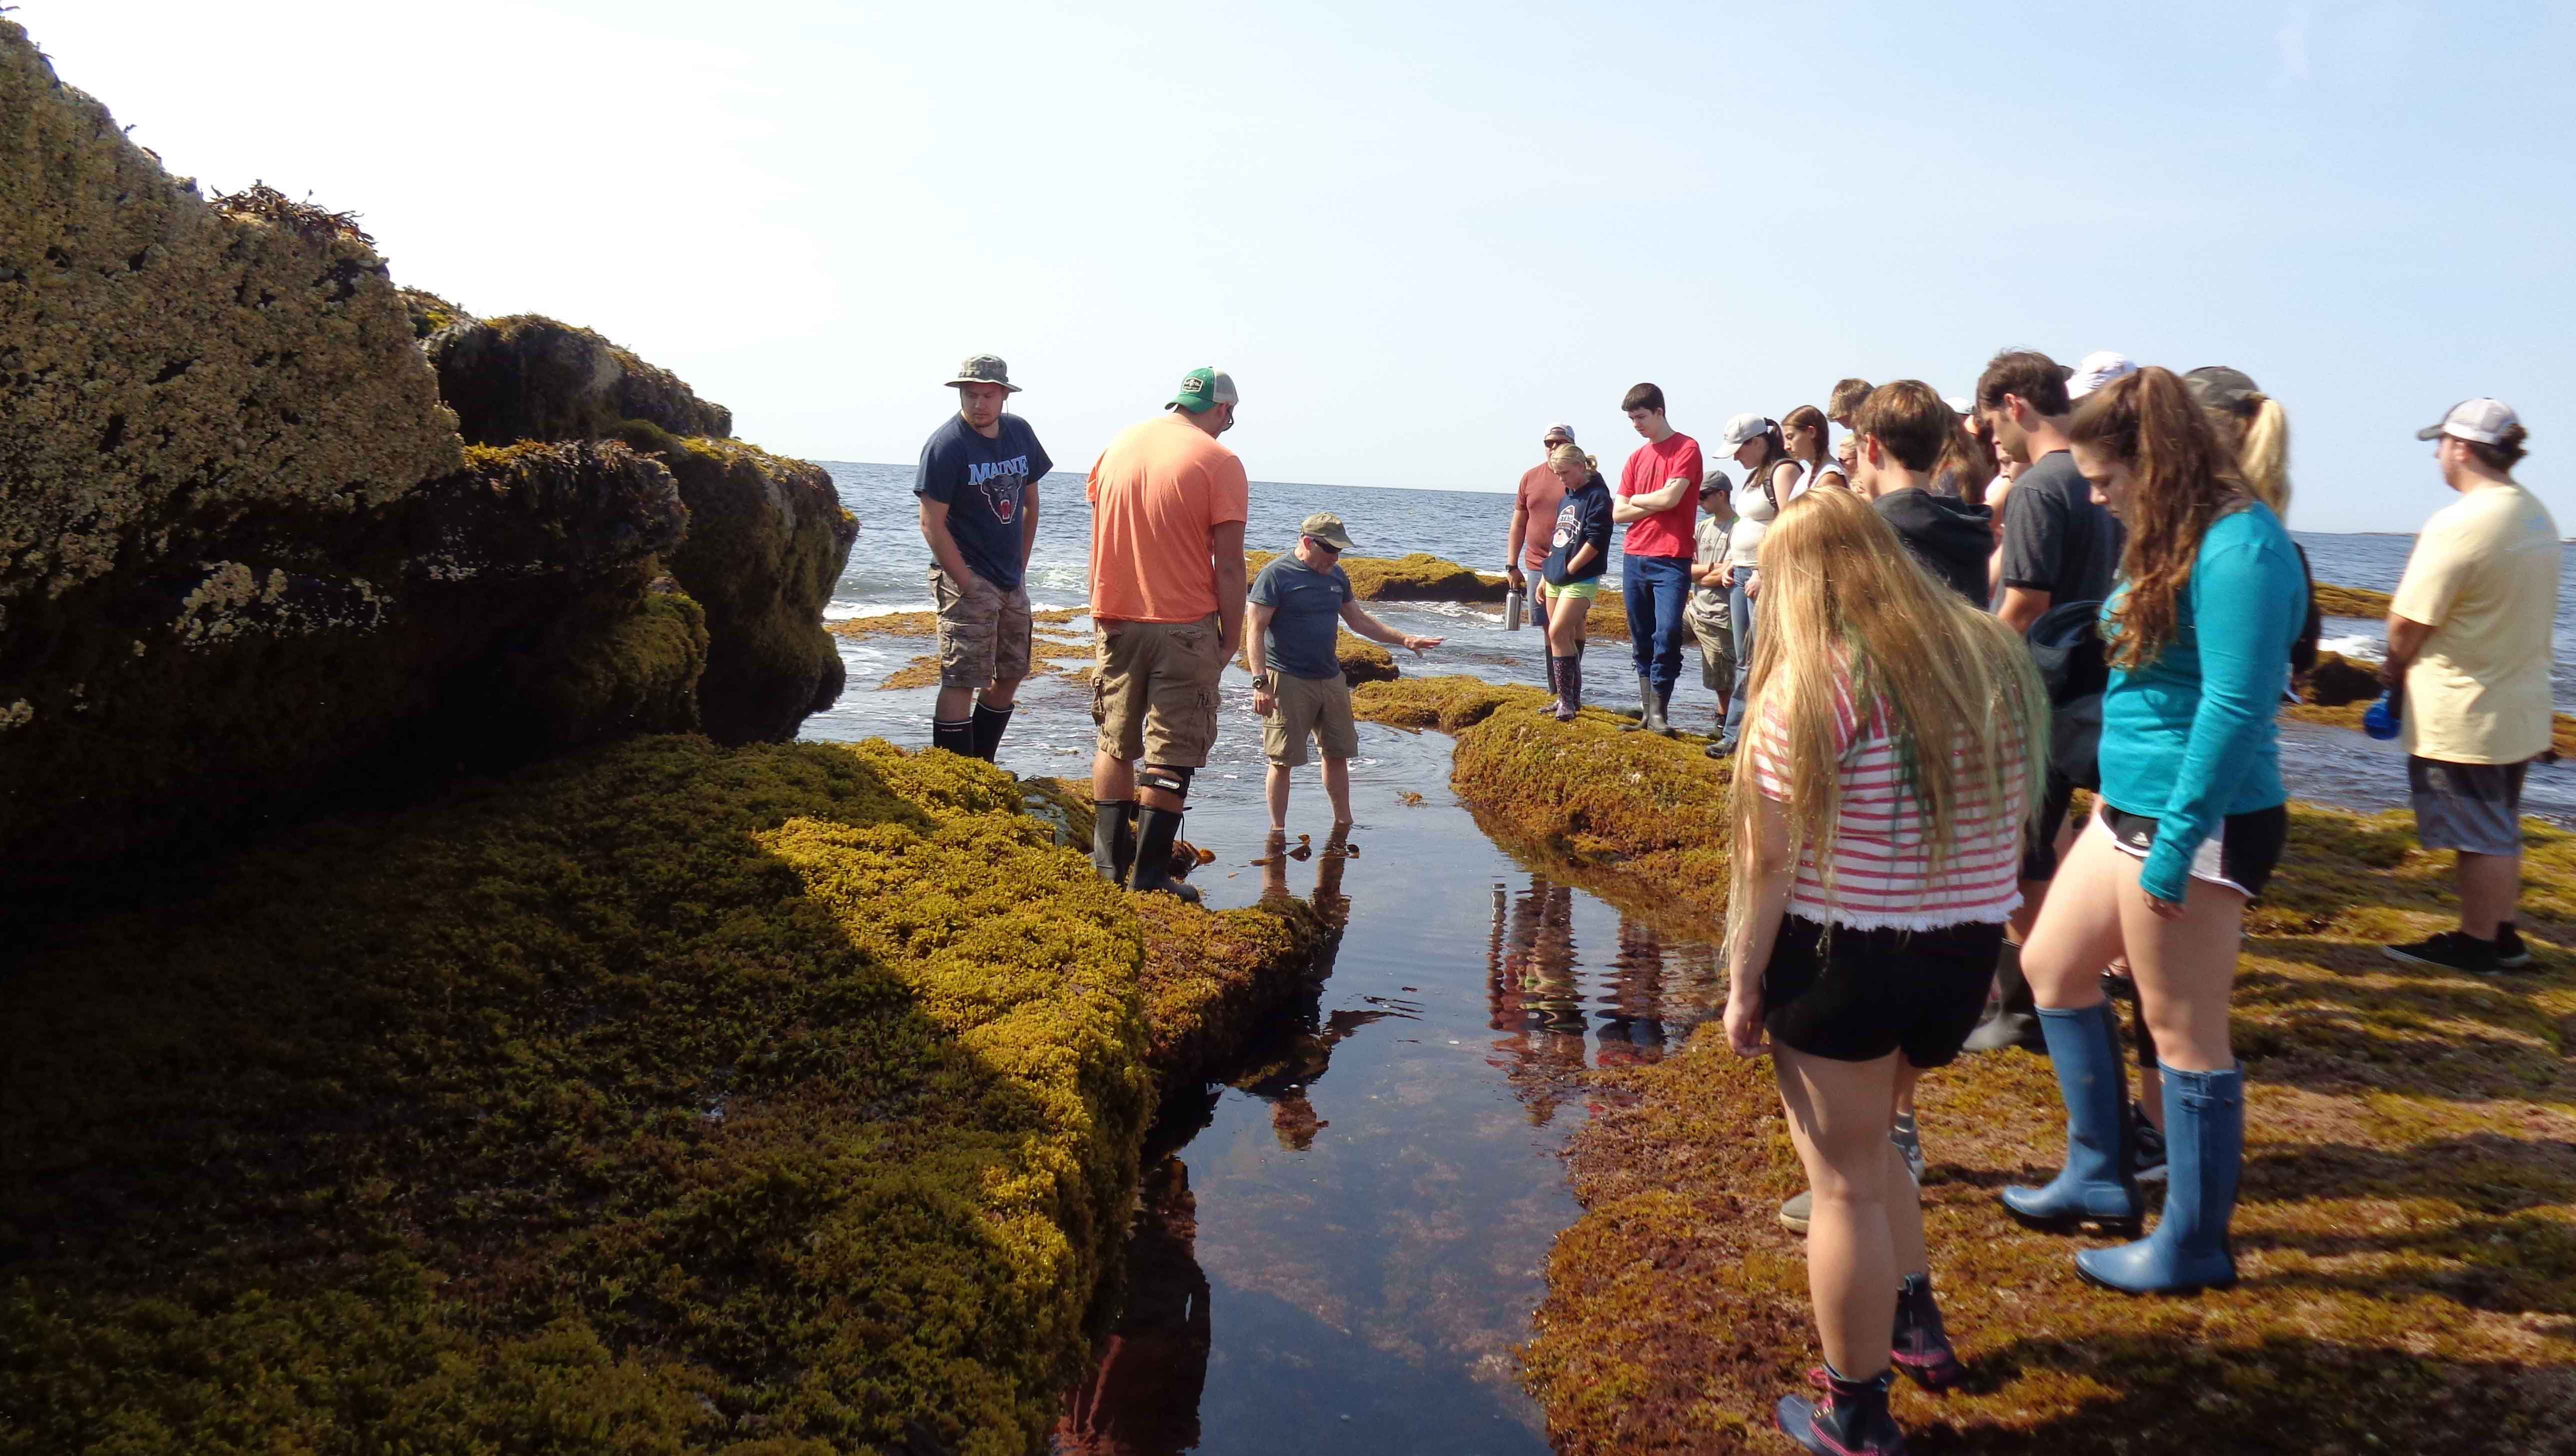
[[528, 377], [659, 1098], [767, 539], [245, 560]]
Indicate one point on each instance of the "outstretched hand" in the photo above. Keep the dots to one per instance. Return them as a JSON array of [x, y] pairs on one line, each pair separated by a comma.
[[1420, 644]]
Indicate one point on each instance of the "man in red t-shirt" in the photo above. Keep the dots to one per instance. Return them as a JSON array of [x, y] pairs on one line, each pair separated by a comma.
[[1657, 497], [1534, 509]]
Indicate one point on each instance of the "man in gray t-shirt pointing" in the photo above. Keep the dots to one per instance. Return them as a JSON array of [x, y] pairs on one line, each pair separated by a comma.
[[1299, 603]]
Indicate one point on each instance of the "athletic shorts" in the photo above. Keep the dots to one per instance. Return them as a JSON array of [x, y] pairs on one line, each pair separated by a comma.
[[2039, 850], [2475, 808], [1587, 589], [1309, 707], [2240, 856], [1153, 690], [1716, 654], [1871, 992], [983, 630]]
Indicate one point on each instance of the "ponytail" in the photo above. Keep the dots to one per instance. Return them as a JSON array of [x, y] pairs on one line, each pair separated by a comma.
[[2263, 456], [2184, 480]]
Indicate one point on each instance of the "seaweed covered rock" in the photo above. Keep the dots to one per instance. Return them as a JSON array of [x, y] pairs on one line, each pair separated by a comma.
[[530, 378], [1362, 661], [2337, 680], [767, 538], [1419, 577], [2406, 1231], [489, 616], [2351, 601], [659, 1098]]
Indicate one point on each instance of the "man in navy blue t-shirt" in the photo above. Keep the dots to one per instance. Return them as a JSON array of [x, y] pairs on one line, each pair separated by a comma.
[[978, 486]]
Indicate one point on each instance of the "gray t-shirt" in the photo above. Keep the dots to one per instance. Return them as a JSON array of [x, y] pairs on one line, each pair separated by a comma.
[[1709, 602], [2056, 539], [1309, 609]]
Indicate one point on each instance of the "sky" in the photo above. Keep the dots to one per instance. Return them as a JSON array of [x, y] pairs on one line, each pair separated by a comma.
[[1419, 234]]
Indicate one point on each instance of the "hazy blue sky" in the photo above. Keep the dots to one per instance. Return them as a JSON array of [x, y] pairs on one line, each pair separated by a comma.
[[1419, 233]]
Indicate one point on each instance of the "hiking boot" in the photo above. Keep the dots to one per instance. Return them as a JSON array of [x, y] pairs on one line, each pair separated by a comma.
[[2146, 1147], [1923, 1349], [2452, 950], [2511, 953], [1724, 747], [1851, 1420]]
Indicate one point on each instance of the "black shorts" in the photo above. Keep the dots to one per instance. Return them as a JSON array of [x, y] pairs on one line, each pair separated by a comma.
[[1878, 991], [2039, 848], [2240, 856]]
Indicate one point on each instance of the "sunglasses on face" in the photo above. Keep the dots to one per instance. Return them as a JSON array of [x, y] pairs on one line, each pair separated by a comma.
[[1327, 547]]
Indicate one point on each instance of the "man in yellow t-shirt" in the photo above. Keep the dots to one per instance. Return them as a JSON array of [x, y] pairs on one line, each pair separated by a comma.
[[2469, 639]]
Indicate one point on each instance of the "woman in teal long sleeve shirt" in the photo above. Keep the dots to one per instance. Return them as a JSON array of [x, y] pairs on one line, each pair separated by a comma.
[[2191, 822]]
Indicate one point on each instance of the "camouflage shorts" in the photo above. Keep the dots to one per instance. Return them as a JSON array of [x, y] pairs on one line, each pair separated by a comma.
[[983, 630]]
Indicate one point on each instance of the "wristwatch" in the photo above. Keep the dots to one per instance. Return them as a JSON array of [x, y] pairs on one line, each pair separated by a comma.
[[1261, 682]]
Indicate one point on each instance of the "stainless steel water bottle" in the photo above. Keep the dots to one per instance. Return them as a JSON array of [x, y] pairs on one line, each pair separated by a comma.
[[1515, 607]]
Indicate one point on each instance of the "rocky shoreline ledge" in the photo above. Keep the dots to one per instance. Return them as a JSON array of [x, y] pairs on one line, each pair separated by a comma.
[[2408, 1225], [439, 1009]]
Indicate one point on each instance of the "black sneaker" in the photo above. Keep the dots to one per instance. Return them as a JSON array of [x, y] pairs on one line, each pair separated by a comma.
[[2146, 1147], [2452, 950], [2510, 952]]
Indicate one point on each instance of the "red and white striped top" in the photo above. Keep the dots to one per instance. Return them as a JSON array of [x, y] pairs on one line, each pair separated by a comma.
[[1883, 877]]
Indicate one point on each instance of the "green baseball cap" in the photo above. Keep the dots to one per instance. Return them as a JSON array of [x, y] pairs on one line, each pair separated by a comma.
[[1203, 390]]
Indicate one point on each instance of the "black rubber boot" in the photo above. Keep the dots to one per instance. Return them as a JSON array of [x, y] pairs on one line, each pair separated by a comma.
[[958, 737], [2014, 1021], [1555, 681], [1155, 831], [1113, 840], [1663, 723], [1923, 1348], [1645, 707], [1570, 702], [988, 726]]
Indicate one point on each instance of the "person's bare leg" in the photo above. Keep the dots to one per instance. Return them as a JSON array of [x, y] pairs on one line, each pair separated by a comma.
[[1275, 789], [1114, 779], [2079, 931], [1337, 787], [1004, 693], [1838, 1115], [954, 704], [2489, 886], [2186, 969], [1904, 1195]]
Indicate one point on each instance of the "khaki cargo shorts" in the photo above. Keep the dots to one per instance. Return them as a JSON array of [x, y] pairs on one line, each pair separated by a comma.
[[983, 630], [1716, 654], [1153, 690], [1309, 707]]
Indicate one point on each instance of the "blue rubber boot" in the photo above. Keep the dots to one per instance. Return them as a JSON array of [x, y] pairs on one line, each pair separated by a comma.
[[2204, 1148], [2096, 1185]]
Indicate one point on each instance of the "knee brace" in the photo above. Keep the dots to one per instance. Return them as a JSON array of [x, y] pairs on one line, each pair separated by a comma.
[[1172, 781]]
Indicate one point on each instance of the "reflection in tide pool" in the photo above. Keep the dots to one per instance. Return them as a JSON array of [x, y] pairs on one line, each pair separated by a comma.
[[1339, 1247]]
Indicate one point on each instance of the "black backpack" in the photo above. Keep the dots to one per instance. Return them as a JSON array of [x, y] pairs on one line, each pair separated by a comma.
[[2066, 643], [2303, 651]]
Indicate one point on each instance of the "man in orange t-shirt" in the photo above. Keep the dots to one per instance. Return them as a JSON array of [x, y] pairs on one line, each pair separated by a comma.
[[1167, 510]]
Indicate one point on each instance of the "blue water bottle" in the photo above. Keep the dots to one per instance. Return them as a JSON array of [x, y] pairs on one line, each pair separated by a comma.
[[2385, 716]]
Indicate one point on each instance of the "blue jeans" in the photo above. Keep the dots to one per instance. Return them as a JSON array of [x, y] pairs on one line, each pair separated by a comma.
[[1657, 589], [1741, 607]]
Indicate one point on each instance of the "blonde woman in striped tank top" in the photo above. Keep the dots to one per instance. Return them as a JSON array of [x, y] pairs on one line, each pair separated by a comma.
[[1892, 751]]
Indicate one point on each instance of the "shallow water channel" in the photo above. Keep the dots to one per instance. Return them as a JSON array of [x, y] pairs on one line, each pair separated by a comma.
[[1340, 1247]]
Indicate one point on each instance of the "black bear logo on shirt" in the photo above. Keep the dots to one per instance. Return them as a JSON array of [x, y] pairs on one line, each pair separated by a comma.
[[1003, 483]]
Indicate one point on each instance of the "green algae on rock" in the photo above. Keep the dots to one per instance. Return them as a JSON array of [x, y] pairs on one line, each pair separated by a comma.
[[660, 1098], [1419, 577], [767, 538], [527, 377], [2407, 1230], [1651, 808], [2351, 601]]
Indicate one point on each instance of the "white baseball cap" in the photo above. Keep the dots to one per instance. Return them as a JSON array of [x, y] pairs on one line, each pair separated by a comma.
[[2097, 369], [1744, 427], [2482, 420], [1960, 404]]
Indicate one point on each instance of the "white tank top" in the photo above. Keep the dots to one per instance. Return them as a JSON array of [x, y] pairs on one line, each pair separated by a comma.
[[1754, 512]]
